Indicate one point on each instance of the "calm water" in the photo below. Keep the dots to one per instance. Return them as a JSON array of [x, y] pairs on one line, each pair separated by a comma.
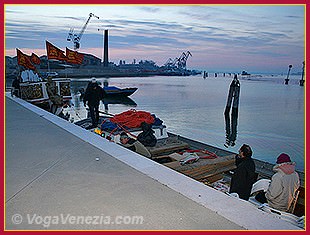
[[271, 114]]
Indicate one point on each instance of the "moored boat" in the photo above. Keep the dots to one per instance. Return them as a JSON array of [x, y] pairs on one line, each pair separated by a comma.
[[35, 92], [205, 163], [115, 91]]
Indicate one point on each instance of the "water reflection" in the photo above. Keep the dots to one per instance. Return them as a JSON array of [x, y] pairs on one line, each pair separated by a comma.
[[118, 100], [194, 107]]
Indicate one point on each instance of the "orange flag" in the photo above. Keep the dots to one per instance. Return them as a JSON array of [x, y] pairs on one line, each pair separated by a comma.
[[54, 52], [35, 59], [24, 60], [74, 57]]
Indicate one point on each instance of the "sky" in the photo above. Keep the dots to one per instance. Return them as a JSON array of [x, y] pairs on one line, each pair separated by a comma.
[[221, 38]]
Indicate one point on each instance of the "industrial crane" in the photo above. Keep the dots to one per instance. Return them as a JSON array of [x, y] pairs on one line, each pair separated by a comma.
[[179, 63], [171, 63], [182, 60], [75, 38]]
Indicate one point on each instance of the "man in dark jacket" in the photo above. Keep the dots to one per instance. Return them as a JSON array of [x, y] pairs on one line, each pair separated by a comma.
[[16, 85], [92, 97], [244, 175], [147, 137]]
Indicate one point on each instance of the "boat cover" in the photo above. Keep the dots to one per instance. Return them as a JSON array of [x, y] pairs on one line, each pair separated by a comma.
[[133, 118]]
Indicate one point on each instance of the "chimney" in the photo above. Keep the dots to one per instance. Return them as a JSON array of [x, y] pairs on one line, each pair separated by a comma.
[[106, 48]]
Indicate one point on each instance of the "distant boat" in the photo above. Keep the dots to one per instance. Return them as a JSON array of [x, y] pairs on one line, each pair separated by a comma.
[[115, 91], [49, 74], [245, 73]]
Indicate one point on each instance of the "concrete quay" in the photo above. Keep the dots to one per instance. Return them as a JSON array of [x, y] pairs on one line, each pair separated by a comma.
[[54, 181]]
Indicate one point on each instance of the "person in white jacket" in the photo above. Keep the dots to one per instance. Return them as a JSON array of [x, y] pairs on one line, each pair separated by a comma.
[[284, 183]]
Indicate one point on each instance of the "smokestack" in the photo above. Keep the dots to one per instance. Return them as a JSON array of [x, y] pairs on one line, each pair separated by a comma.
[[106, 48]]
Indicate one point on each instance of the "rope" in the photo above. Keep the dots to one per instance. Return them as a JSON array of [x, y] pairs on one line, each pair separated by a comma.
[[210, 155]]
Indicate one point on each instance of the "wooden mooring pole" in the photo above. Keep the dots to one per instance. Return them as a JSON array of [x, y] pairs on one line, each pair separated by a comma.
[[288, 74], [302, 81]]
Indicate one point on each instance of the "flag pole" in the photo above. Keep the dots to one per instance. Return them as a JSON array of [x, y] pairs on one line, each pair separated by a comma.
[[48, 65]]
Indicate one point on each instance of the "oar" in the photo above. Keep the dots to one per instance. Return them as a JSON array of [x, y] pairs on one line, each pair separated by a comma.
[[106, 113], [110, 114]]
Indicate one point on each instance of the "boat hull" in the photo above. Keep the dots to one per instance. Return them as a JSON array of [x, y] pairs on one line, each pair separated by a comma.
[[35, 92], [213, 167], [118, 92]]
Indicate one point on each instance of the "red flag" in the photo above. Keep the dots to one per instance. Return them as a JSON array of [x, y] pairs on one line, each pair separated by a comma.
[[24, 60], [35, 59], [54, 52], [74, 57]]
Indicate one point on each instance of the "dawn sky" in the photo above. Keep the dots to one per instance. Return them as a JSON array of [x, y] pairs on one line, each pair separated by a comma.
[[223, 38]]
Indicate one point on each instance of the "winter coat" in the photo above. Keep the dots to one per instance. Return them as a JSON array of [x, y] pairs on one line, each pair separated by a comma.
[[147, 137], [136, 146], [283, 186], [16, 83], [243, 178], [93, 95]]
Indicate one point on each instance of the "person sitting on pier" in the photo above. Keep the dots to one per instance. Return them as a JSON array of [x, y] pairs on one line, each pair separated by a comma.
[[244, 175], [283, 186], [134, 145]]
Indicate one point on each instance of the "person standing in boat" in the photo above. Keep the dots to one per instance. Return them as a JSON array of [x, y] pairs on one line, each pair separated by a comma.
[[134, 145], [283, 186], [92, 97], [244, 175]]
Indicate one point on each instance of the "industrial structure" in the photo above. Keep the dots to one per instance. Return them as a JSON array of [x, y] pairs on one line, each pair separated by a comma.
[[178, 63], [106, 49], [92, 66], [76, 38]]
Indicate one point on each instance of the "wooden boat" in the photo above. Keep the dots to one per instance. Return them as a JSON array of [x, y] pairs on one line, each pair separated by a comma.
[[115, 91], [209, 164], [35, 92]]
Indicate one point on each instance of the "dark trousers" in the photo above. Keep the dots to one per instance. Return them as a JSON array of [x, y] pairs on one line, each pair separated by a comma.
[[260, 197], [94, 114]]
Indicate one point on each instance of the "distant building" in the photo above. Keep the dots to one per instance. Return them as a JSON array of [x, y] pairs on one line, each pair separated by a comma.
[[91, 60]]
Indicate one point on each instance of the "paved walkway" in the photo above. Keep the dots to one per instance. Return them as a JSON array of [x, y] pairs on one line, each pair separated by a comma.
[[53, 181]]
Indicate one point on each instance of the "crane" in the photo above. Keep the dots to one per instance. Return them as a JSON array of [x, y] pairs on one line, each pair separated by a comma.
[[182, 60], [75, 38], [178, 63]]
